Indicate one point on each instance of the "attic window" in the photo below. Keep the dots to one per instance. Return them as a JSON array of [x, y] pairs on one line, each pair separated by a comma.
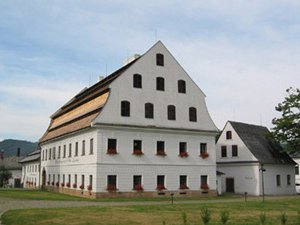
[[193, 114], [125, 108], [181, 86], [137, 81], [160, 83], [228, 135], [171, 112], [234, 150], [149, 110], [159, 59]]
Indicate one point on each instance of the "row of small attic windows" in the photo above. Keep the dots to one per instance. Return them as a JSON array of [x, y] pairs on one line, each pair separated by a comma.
[[160, 83], [149, 111]]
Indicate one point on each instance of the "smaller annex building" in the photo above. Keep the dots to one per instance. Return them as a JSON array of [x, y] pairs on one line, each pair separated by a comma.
[[252, 162], [296, 157], [31, 169], [12, 164]]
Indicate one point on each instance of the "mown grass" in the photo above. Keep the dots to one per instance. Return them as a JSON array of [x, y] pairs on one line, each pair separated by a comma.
[[240, 213]]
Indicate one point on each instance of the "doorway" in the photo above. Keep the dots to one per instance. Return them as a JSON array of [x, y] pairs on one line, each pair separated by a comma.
[[230, 185]]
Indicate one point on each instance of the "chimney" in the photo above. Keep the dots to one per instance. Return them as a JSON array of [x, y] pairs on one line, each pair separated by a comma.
[[2, 155], [18, 152]]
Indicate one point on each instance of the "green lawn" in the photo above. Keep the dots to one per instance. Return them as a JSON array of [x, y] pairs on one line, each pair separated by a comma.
[[240, 213]]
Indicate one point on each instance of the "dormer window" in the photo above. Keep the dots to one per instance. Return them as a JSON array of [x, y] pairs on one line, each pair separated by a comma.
[[159, 59], [137, 81], [125, 108], [160, 83], [193, 114], [149, 110], [181, 86], [228, 135]]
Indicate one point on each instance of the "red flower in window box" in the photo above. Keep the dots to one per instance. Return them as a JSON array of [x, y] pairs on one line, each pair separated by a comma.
[[62, 184], [68, 184], [138, 187], [204, 155], [138, 152], [161, 152], [111, 187], [160, 187], [183, 154], [89, 187], [204, 186], [47, 182], [74, 185], [81, 186], [183, 186], [52, 183], [112, 151], [57, 184]]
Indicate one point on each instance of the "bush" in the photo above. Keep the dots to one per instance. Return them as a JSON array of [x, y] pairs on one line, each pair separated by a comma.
[[205, 215], [224, 217]]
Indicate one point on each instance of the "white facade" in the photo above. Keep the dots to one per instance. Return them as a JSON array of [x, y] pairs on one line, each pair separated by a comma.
[[297, 174], [243, 171], [31, 174], [97, 167]]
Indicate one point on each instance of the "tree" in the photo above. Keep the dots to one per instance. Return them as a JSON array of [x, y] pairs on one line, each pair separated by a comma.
[[287, 127], [5, 175]]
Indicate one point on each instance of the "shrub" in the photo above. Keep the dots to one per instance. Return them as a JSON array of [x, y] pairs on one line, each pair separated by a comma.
[[263, 218], [205, 215], [224, 217]]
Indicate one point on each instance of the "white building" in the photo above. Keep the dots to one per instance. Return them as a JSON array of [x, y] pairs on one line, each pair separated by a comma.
[[31, 170], [296, 157], [252, 162], [143, 130]]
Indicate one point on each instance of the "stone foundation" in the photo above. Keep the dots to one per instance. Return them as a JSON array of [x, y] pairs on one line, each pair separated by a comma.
[[118, 194]]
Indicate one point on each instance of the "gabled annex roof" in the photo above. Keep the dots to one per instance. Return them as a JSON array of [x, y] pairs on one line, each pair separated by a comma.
[[32, 156], [258, 140]]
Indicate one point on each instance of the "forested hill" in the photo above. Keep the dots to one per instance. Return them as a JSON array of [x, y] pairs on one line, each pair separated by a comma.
[[10, 146]]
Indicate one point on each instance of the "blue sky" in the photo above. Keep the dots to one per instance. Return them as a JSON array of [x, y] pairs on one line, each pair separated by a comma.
[[242, 54]]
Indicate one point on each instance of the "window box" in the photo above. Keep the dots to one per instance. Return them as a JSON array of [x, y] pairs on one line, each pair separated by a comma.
[[52, 183], [138, 187], [68, 184], [160, 187], [161, 153], [138, 152], [89, 187], [47, 182], [112, 151], [111, 187], [57, 184], [205, 187], [183, 154], [204, 155], [74, 185], [183, 186], [62, 184], [81, 186]]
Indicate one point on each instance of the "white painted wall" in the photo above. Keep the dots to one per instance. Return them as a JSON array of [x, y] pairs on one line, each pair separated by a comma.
[[31, 173], [297, 176]]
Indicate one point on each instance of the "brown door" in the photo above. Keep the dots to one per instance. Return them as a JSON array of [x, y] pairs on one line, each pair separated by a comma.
[[229, 184]]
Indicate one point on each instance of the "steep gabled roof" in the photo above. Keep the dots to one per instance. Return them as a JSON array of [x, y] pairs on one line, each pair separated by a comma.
[[81, 110], [32, 156], [11, 163], [258, 140]]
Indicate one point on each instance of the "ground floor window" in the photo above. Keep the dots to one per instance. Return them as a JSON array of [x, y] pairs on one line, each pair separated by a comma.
[[203, 180], [137, 183], [160, 182], [288, 179], [278, 182], [111, 182], [183, 182]]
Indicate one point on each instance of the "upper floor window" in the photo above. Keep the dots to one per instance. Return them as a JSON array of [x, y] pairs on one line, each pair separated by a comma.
[[223, 151], [159, 59], [91, 146], [183, 149], [181, 86], [137, 147], [76, 149], [54, 152], [278, 181], [111, 146], [160, 148], [160, 83], [50, 154], [171, 112], [125, 108], [149, 110], [203, 150], [193, 114], [83, 148], [137, 81], [228, 135], [234, 150], [59, 150], [64, 153], [70, 150]]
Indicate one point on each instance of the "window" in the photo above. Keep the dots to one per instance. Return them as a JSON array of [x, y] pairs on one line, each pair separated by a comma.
[[125, 108], [297, 169], [75, 180], [183, 182], [193, 114], [70, 150], [82, 180], [159, 59], [160, 183], [137, 183], [83, 148], [46, 154], [53, 179], [90, 182], [111, 146], [234, 150], [160, 148], [183, 149], [149, 110], [160, 84], [228, 135], [50, 154], [91, 146], [137, 81], [58, 155], [64, 153], [69, 179], [203, 180], [54, 151], [111, 182], [171, 112], [137, 147], [63, 182], [288, 180], [203, 150], [181, 86], [278, 182], [223, 151], [76, 149]]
